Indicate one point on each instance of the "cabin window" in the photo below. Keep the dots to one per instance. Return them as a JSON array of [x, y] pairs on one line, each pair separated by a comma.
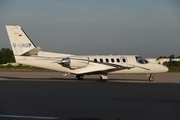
[[112, 60], [95, 60], [124, 60], [107, 60], [118, 60], [101, 60]]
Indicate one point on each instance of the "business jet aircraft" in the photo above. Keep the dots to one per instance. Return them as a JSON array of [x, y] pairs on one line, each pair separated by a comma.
[[27, 53]]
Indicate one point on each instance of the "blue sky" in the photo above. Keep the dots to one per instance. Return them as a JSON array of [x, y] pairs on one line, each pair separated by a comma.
[[150, 28]]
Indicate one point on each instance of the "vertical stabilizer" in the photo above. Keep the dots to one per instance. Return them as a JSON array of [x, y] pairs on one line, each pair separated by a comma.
[[20, 42]]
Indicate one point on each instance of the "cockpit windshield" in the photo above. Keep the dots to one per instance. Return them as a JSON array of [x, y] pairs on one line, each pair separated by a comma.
[[141, 60]]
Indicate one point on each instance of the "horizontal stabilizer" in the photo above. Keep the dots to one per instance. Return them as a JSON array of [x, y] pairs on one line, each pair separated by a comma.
[[33, 51]]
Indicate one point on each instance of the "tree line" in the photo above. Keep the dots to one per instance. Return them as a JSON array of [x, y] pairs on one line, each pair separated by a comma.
[[171, 62], [171, 57], [6, 56]]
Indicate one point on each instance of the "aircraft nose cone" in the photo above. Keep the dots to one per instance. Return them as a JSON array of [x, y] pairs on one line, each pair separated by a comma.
[[166, 69], [162, 68]]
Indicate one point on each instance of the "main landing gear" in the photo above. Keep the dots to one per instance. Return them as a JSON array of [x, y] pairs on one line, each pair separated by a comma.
[[150, 77], [103, 78], [80, 77]]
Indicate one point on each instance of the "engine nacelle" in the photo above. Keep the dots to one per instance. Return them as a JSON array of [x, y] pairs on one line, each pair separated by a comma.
[[75, 62]]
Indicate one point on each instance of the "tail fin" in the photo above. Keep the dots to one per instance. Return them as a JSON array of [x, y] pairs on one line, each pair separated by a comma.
[[20, 42]]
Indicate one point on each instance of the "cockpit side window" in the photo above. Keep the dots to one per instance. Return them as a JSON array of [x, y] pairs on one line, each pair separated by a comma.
[[141, 60], [146, 61]]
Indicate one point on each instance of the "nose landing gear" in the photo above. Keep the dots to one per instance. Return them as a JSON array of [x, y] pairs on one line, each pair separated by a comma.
[[150, 77]]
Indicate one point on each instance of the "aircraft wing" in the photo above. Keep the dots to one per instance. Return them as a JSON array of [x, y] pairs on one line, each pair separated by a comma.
[[104, 68], [100, 68]]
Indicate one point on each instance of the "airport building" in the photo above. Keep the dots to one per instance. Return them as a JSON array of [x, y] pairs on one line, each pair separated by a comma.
[[161, 60]]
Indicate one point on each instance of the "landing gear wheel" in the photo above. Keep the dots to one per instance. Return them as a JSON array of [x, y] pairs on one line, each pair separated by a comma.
[[103, 80], [79, 77], [151, 78]]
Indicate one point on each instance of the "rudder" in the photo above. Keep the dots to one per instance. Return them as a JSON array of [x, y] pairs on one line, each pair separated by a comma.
[[20, 42]]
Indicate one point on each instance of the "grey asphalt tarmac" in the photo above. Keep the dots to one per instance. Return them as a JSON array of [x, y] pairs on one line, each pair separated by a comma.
[[31, 95]]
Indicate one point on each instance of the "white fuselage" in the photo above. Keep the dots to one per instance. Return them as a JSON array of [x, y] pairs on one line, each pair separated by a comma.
[[87, 65]]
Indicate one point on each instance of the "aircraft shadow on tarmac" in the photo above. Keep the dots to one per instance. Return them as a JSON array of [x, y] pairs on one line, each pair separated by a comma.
[[74, 79]]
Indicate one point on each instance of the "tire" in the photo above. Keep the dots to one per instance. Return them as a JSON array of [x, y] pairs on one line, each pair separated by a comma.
[[151, 78], [103, 80], [79, 77]]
